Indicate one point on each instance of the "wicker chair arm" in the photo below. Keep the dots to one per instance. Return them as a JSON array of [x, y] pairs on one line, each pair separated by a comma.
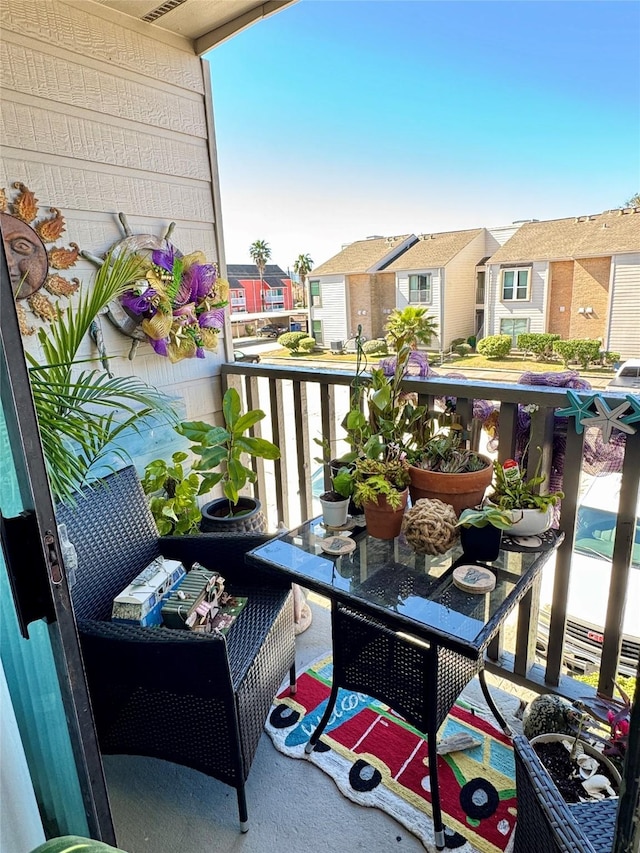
[[224, 553], [155, 659]]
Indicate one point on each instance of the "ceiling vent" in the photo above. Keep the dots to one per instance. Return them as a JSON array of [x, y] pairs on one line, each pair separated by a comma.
[[161, 11]]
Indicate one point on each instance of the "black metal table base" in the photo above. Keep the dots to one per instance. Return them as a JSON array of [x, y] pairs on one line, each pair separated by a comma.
[[371, 658]]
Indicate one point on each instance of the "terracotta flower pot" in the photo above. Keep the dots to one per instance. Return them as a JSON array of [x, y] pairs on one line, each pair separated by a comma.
[[384, 522], [462, 491]]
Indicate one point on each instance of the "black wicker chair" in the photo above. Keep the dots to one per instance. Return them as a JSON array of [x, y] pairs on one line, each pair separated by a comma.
[[192, 699], [546, 823]]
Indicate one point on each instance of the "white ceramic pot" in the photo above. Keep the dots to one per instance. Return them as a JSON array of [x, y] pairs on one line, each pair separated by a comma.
[[335, 513], [529, 522]]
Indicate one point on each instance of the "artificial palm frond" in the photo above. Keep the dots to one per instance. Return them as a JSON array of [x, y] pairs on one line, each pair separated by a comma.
[[81, 413]]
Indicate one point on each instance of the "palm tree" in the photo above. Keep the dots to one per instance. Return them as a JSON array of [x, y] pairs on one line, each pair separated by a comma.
[[303, 266], [410, 326], [82, 413], [260, 254]]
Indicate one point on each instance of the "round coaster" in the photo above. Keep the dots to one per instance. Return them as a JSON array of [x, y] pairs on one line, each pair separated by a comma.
[[337, 545], [474, 579]]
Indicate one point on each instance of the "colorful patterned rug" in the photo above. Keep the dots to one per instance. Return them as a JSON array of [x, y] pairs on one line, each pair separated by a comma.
[[377, 759]]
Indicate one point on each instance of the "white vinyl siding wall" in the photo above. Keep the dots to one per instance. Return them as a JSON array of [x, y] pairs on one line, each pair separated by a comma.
[[121, 127], [532, 309], [402, 295], [333, 311], [460, 291], [624, 314]]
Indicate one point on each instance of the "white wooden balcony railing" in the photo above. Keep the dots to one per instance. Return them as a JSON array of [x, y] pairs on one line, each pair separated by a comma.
[[303, 404]]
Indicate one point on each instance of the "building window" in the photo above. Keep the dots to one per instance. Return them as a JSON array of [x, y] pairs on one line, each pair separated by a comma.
[[314, 293], [237, 300], [509, 326], [316, 330], [480, 277], [515, 284], [420, 288]]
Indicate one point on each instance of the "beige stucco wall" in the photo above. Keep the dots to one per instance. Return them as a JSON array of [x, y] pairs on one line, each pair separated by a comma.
[[102, 113]]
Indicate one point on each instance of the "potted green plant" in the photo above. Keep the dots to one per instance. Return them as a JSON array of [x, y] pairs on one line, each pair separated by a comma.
[[531, 512], [83, 411], [174, 493], [335, 502], [442, 467], [381, 490], [224, 447], [481, 531]]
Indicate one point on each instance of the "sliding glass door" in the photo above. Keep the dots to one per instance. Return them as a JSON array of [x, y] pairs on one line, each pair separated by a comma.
[[50, 718]]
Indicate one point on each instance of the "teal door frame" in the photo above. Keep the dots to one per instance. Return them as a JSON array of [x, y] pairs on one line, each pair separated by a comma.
[[36, 566]]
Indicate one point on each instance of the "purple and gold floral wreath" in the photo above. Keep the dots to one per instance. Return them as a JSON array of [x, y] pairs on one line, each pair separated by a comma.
[[179, 305]]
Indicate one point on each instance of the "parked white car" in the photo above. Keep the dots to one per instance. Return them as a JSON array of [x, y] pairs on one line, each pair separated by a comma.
[[627, 376], [589, 585]]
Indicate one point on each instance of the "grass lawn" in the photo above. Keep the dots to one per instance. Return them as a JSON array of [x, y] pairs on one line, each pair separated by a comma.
[[515, 363]]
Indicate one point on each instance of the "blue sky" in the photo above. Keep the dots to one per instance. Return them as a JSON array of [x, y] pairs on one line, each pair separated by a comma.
[[337, 120]]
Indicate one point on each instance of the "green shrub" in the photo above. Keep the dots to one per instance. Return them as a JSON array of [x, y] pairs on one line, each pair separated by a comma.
[[587, 351], [463, 349], [307, 344], [378, 346], [495, 346], [584, 351], [472, 341], [457, 341], [566, 350], [541, 345], [291, 340], [608, 358], [249, 329]]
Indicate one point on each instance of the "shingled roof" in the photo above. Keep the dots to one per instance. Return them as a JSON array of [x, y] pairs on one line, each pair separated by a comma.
[[608, 233], [433, 250], [274, 276], [360, 256]]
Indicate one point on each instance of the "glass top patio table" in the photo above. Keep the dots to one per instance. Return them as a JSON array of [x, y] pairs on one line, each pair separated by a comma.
[[389, 581]]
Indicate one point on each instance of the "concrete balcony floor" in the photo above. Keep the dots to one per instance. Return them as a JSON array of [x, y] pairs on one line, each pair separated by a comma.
[[163, 808]]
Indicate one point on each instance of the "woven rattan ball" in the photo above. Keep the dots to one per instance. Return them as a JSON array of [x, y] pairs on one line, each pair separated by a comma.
[[430, 526]]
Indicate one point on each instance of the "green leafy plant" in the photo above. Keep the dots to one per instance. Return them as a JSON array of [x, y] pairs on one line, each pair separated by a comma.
[[521, 493], [343, 481], [174, 493], [441, 448], [410, 326], [374, 477], [582, 351], [224, 447], [83, 412], [483, 516]]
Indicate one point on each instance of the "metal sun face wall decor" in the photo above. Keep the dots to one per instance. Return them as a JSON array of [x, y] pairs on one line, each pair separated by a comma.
[[32, 267]]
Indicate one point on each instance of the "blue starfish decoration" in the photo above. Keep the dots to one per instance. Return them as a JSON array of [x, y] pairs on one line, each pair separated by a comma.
[[634, 402], [579, 408]]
